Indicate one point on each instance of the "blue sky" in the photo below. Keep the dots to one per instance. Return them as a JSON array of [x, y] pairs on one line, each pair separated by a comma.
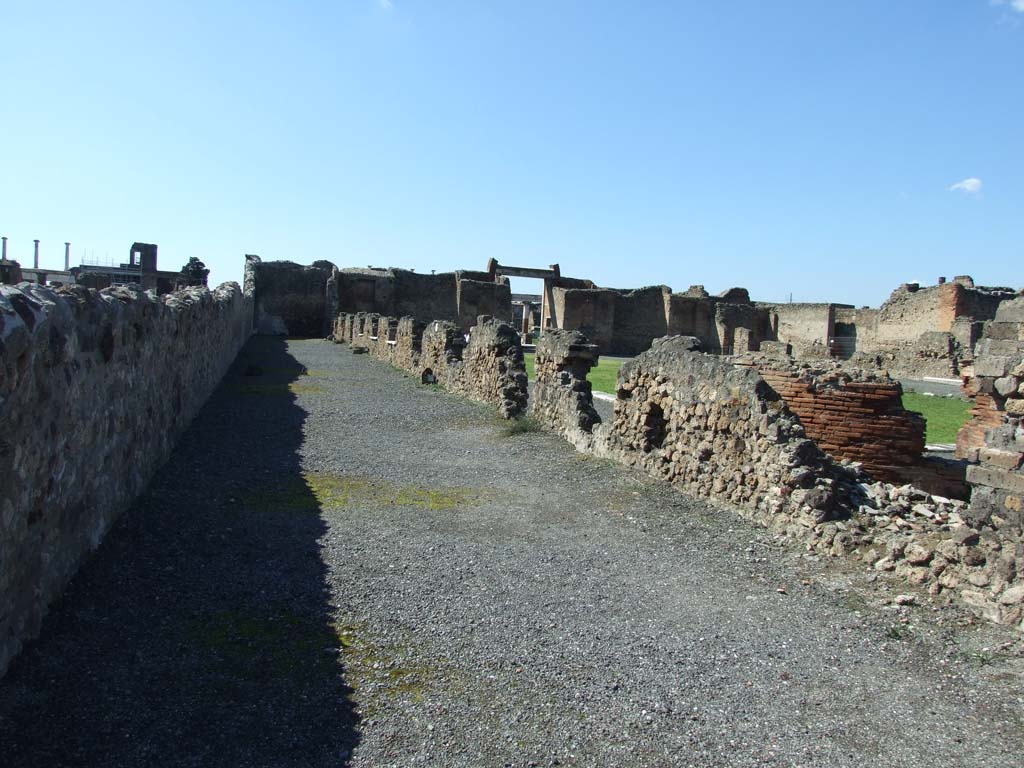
[[809, 147]]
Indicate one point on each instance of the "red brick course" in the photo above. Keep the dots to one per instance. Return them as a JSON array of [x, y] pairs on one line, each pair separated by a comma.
[[856, 421]]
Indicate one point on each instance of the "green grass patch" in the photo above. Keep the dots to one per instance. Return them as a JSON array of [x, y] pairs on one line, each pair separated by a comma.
[[603, 377], [316, 491], [530, 358], [944, 415], [520, 426]]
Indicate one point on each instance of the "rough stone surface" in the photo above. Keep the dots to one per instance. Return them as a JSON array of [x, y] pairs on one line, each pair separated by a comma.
[[96, 388], [562, 398], [994, 437], [291, 299], [458, 297], [487, 367]]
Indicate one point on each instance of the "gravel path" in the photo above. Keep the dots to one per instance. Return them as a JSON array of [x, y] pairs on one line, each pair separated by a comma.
[[342, 566]]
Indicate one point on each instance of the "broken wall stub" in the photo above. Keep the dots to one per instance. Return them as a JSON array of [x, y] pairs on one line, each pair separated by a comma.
[[494, 369], [443, 344], [562, 398], [291, 299], [408, 343], [96, 388], [852, 415]]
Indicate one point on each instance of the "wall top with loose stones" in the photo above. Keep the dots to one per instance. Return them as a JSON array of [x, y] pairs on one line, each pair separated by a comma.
[[824, 372]]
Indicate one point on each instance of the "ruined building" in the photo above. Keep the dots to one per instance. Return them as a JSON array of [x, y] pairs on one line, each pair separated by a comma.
[[140, 269], [96, 387]]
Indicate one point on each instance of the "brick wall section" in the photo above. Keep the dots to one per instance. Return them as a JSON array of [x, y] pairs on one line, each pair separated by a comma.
[[96, 388], [862, 421], [488, 368], [985, 414]]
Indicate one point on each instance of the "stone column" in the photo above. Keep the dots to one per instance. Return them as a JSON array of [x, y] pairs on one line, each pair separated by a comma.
[[67, 257], [35, 255], [4, 253]]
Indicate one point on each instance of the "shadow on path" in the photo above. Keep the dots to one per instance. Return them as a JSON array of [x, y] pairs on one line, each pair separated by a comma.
[[201, 632]]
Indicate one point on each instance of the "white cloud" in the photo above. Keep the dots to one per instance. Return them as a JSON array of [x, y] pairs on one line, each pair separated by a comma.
[[970, 185], [1017, 5]]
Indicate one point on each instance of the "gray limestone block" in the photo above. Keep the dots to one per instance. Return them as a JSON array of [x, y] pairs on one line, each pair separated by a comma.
[[1011, 311]]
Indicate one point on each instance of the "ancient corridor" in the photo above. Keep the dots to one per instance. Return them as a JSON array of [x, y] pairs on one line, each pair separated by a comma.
[[340, 565]]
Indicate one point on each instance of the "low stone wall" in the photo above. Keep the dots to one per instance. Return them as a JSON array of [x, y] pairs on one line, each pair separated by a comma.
[[95, 390], [718, 431], [721, 432], [488, 368]]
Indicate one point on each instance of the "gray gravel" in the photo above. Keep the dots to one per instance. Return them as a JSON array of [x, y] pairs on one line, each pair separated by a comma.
[[370, 572]]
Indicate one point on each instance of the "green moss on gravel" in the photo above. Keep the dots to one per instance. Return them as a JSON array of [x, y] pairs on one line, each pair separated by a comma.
[[316, 491], [386, 671], [522, 425], [256, 646], [264, 389]]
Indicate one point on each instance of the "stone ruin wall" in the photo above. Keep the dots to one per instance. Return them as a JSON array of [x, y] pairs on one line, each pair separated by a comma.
[[290, 299], [921, 331], [640, 317], [994, 438], [96, 389], [458, 297], [626, 322], [719, 431], [805, 328], [488, 368], [710, 428]]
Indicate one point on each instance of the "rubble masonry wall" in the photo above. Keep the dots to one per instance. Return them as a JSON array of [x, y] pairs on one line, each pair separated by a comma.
[[488, 368], [720, 432], [95, 391]]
